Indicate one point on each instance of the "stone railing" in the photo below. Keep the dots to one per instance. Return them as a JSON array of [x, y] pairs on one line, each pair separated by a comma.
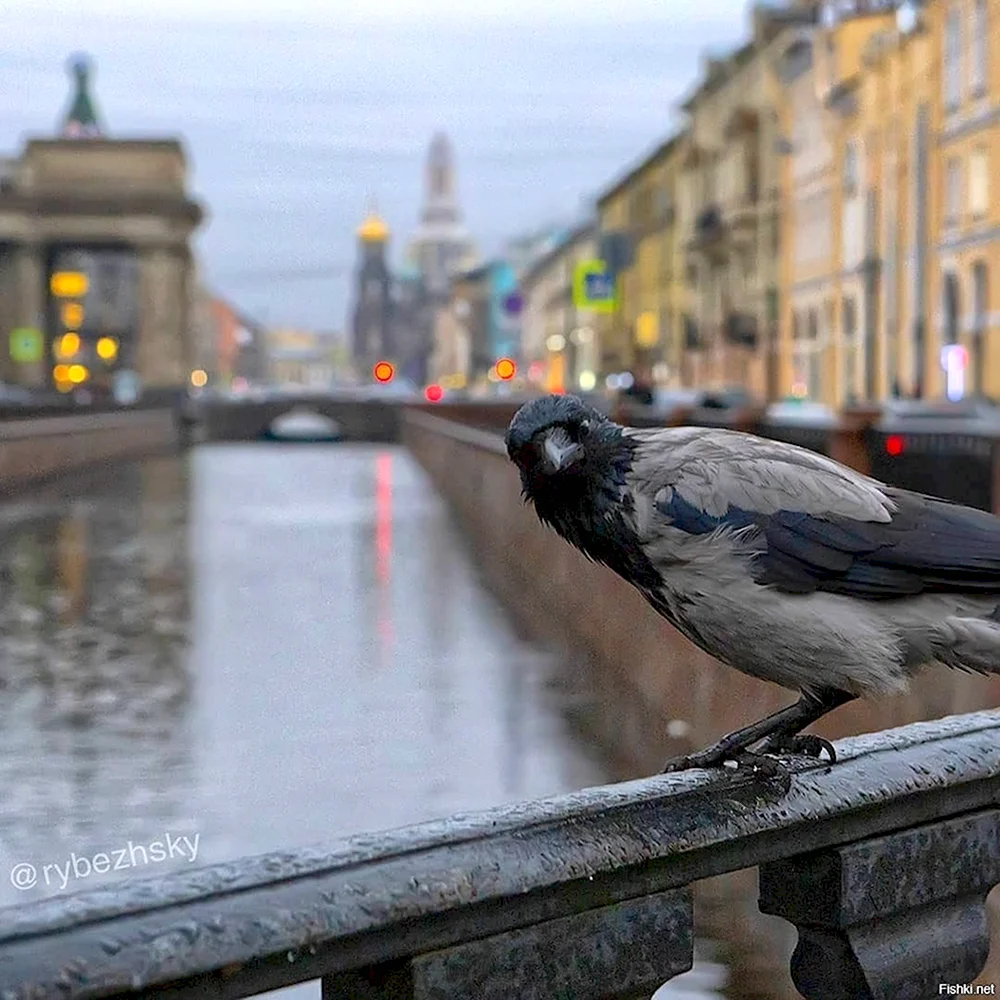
[[881, 861], [35, 449], [638, 687]]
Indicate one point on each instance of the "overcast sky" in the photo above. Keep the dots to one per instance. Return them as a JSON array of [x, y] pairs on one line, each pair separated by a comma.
[[293, 115]]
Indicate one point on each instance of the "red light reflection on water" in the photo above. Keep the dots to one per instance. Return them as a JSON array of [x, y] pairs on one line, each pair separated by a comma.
[[383, 543]]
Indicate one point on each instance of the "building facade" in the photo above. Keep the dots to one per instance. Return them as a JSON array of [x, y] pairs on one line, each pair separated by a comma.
[[115, 219], [730, 186], [638, 215], [300, 359], [559, 341], [413, 320], [831, 310], [963, 300], [470, 310]]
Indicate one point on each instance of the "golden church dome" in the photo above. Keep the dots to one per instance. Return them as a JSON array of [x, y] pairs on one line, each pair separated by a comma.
[[373, 230]]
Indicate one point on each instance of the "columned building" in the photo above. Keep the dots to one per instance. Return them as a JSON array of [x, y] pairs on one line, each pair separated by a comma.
[[114, 218]]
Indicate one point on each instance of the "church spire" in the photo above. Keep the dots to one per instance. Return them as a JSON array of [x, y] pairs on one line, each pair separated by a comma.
[[81, 120]]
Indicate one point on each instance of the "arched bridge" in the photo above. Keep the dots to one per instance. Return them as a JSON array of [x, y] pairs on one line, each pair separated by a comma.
[[357, 418]]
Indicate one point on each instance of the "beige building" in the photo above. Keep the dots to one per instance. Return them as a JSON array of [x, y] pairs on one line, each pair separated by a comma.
[[449, 365], [807, 277], [120, 212], [859, 187], [300, 359], [961, 56], [729, 187], [638, 219], [559, 341]]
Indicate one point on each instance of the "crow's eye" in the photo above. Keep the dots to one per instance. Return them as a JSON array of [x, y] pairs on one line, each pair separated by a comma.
[[585, 424]]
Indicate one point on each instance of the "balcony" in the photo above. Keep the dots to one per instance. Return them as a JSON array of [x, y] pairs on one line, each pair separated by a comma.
[[711, 234]]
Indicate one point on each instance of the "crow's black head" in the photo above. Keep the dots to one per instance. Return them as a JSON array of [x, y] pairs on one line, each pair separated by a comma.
[[572, 458]]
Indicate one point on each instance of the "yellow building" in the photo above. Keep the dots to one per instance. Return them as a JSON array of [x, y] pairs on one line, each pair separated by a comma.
[[834, 179], [639, 214], [963, 298], [889, 118], [897, 121], [730, 191], [559, 344], [807, 270]]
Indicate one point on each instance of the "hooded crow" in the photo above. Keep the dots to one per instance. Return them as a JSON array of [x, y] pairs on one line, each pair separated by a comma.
[[777, 561]]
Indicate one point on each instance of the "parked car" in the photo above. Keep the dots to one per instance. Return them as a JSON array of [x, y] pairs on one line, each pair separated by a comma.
[[667, 401], [16, 395], [799, 411]]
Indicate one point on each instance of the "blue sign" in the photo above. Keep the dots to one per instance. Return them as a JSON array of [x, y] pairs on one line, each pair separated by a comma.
[[598, 286], [594, 286]]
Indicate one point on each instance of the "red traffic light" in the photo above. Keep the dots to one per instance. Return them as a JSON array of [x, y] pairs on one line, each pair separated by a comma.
[[894, 445], [505, 369], [383, 372], [433, 393]]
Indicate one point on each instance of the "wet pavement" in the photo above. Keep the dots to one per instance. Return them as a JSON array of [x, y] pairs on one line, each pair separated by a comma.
[[253, 648]]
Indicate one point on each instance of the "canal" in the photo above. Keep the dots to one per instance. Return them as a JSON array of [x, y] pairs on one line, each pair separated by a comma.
[[254, 648]]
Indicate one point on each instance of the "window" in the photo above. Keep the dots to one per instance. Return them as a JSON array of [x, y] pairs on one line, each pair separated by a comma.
[[980, 45], [979, 181], [850, 318], [952, 58], [752, 172], [980, 293], [952, 191], [850, 169]]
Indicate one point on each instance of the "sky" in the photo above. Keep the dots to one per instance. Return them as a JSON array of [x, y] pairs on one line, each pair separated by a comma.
[[295, 114]]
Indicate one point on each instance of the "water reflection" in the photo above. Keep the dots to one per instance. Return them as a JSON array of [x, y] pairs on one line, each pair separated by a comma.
[[263, 648], [92, 723]]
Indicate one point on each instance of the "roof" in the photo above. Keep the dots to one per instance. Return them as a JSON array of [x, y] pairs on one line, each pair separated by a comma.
[[476, 273], [660, 152], [373, 230], [718, 72]]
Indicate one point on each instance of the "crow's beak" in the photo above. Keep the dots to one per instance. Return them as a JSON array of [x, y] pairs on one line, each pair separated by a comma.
[[560, 449]]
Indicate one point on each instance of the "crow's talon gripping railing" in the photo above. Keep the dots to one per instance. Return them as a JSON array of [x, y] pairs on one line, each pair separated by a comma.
[[882, 861]]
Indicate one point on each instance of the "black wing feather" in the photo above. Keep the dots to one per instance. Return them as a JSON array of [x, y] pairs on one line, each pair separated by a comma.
[[929, 545]]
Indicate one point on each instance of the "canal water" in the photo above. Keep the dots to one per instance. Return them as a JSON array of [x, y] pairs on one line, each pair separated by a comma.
[[253, 648]]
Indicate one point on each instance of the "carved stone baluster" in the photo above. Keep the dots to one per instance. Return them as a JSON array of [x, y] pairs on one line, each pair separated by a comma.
[[890, 917], [624, 951], [391, 981]]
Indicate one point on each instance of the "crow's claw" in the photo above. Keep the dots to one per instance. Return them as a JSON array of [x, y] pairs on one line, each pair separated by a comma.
[[714, 757], [806, 744]]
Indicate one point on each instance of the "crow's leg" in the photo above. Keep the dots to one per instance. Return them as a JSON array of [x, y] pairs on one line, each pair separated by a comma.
[[791, 739], [782, 726]]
